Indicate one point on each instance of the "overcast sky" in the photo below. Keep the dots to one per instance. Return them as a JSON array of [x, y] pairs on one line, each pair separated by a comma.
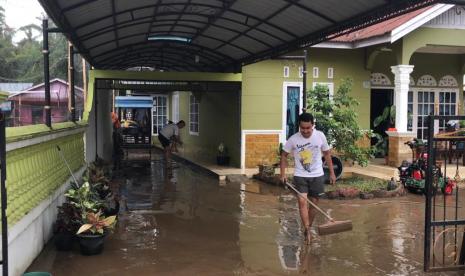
[[21, 12]]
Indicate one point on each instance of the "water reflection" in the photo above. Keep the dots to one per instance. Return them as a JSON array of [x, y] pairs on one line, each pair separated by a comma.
[[181, 222]]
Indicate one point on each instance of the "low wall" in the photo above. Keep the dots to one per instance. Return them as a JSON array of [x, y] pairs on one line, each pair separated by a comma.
[[37, 178]]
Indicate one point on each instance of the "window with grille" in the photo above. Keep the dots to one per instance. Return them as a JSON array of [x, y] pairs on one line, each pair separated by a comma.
[[193, 115], [159, 113], [447, 106], [410, 111], [425, 107]]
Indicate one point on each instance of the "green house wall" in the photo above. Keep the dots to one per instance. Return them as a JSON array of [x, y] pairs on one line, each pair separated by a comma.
[[218, 123], [262, 85]]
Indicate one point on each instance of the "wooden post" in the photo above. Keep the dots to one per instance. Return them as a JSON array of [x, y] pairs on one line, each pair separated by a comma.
[[84, 81]]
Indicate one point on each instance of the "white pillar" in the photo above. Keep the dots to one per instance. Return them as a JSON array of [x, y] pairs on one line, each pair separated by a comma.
[[401, 88]]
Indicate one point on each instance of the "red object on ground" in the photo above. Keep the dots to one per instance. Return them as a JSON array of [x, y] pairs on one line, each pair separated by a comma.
[[417, 175], [392, 129], [449, 187]]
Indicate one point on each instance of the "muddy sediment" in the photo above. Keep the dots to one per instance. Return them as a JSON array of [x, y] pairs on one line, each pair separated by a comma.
[[184, 223]]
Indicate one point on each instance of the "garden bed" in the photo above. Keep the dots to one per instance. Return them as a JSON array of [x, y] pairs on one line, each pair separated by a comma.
[[357, 187], [350, 188]]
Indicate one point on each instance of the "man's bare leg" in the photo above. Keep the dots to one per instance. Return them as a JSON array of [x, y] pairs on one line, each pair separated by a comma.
[[312, 211], [304, 215], [168, 156]]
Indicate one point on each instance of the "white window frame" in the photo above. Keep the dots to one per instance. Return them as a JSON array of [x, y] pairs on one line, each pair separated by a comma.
[[330, 72], [316, 72], [287, 84], [437, 91], [152, 110], [286, 70], [301, 72], [190, 113], [175, 107]]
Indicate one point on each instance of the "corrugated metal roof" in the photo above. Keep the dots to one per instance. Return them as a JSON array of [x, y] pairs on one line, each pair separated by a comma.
[[380, 29], [223, 35], [15, 87]]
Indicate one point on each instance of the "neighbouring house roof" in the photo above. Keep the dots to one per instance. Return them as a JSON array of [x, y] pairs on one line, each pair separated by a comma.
[[36, 94], [56, 80], [387, 31], [15, 86]]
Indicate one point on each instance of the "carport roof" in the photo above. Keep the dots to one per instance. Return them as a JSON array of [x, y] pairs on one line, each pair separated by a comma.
[[219, 36]]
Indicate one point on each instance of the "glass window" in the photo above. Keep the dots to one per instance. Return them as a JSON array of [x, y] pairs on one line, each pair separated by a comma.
[[159, 114], [193, 115]]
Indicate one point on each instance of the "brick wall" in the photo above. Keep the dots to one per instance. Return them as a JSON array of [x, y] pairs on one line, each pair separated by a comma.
[[398, 151], [261, 149]]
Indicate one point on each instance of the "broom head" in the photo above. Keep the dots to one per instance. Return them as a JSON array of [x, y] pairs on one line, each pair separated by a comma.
[[333, 227]]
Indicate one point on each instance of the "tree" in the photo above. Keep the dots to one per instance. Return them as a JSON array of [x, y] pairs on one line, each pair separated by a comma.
[[28, 31], [337, 119]]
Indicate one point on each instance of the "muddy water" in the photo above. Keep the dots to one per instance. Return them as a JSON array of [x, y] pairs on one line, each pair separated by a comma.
[[185, 223]]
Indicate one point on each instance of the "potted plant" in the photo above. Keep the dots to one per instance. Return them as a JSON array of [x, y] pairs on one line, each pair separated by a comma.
[[84, 198], [222, 157], [380, 148], [388, 117], [66, 225], [98, 180], [92, 233]]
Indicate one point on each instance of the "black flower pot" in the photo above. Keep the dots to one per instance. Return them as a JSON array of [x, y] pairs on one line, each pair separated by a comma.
[[64, 241], [222, 160], [90, 244]]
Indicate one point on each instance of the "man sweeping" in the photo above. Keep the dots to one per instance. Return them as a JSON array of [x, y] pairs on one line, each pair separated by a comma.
[[307, 146], [168, 137]]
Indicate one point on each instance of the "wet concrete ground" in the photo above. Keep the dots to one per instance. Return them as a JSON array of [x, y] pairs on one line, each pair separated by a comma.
[[188, 224]]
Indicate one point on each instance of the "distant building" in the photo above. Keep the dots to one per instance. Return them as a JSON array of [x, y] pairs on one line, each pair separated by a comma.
[[27, 106], [12, 87]]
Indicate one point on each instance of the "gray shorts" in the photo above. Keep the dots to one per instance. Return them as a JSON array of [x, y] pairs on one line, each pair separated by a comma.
[[312, 186]]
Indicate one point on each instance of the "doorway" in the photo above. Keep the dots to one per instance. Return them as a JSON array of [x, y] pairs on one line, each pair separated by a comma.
[[292, 110], [380, 99]]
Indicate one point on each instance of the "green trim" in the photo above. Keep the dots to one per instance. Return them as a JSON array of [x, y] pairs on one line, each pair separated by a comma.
[[14, 134], [430, 36], [3, 96], [166, 76], [35, 172], [90, 96]]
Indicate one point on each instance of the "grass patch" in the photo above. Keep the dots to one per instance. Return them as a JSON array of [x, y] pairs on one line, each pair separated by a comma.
[[361, 184]]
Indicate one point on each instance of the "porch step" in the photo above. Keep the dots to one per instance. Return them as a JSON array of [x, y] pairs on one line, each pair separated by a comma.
[[375, 175], [382, 169], [374, 171]]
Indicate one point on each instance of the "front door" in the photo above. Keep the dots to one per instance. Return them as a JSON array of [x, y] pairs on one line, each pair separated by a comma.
[[380, 99], [292, 110]]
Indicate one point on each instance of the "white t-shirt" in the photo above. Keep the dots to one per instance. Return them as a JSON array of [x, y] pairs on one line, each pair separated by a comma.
[[169, 130], [307, 153]]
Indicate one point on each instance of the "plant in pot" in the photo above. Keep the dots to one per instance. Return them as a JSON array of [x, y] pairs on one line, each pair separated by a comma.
[[388, 118], [98, 180], [84, 198], [222, 157], [66, 225], [380, 148], [92, 233], [382, 123]]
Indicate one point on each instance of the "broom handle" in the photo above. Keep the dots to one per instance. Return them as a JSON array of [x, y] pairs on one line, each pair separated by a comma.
[[67, 165], [309, 201]]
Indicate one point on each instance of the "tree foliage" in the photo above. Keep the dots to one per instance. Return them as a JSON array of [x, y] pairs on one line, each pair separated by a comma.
[[23, 61], [336, 117]]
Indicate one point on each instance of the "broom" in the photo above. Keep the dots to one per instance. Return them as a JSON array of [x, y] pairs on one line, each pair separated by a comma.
[[332, 226]]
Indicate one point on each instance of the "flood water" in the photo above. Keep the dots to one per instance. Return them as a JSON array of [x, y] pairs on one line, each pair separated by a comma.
[[187, 223]]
